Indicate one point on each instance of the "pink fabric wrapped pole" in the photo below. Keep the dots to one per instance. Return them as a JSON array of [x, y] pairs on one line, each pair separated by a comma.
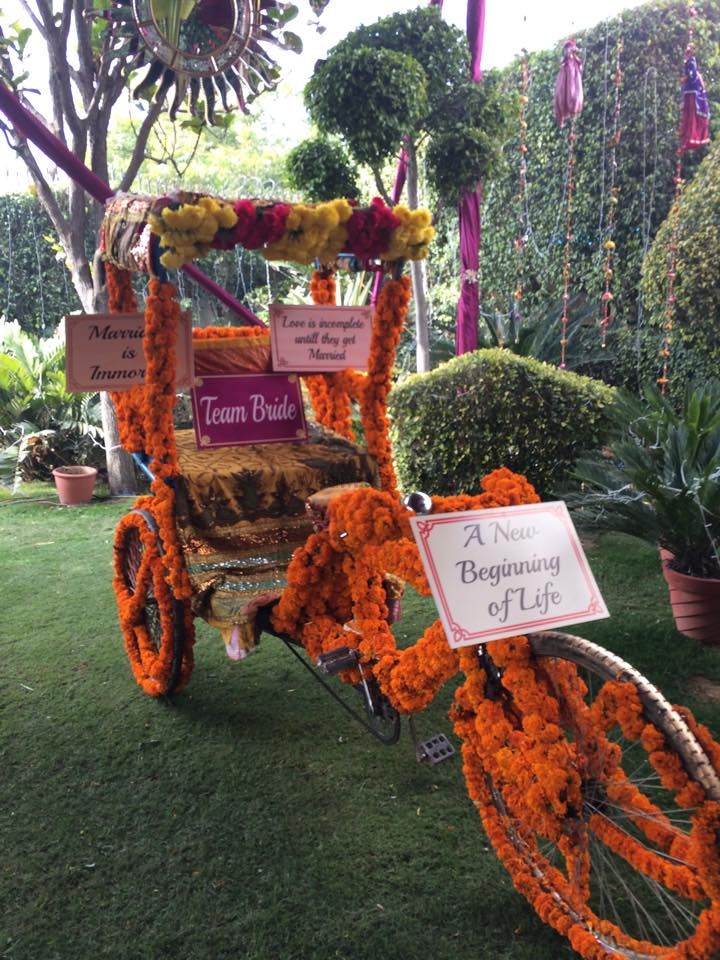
[[466, 330], [568, 85], [466, 322]]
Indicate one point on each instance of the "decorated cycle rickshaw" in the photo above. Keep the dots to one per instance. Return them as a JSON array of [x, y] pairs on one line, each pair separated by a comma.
[[601, 799]]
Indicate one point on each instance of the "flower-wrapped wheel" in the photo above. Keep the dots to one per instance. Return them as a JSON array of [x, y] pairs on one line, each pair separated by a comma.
[[601, 799], [157, 627]]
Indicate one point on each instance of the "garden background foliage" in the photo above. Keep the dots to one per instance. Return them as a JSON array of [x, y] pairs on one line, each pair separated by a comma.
[[654, 38], [698, 296]]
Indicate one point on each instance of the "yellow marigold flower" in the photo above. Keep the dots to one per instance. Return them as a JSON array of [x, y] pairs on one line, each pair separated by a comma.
[[171, 260], [293, 219], [227, 217], [210, 204]]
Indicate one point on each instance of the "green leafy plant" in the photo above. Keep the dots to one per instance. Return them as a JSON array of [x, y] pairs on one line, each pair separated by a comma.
[[41, 424], [489, 409], [321, 170], [406, 77], [660, 480]]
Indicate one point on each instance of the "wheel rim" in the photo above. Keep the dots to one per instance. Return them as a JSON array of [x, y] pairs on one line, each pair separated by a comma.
[[634, 901], [155, 624], [150, 614], [630, 880]]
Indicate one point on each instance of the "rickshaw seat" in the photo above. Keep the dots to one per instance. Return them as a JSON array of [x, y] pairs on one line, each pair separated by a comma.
[[241, 512]]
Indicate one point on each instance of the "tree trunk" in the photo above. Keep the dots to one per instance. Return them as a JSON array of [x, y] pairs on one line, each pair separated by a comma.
[[120, 467], [418, 273]]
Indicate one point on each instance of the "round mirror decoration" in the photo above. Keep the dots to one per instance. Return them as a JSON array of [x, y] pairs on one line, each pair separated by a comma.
[[198, 39]]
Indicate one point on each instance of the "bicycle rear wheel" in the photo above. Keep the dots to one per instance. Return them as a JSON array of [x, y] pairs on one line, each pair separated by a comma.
[[633, 868]]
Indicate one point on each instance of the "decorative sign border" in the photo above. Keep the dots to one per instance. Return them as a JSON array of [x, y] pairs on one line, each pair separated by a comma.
[[79, 361], [237, 393], [332, 338], [471, 621]]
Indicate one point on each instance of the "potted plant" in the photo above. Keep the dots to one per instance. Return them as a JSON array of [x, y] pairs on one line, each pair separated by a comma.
[[659, 480]]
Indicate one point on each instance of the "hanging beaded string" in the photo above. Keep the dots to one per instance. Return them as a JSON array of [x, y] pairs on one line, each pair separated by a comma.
[[609, 244], [521, 197], [670, 299], [567, 250]]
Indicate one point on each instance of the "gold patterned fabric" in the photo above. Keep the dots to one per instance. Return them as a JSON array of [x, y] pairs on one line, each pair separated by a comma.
[[241, 513]]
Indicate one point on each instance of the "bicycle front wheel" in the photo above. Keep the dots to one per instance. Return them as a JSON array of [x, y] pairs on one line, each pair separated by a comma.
[[618, 848]]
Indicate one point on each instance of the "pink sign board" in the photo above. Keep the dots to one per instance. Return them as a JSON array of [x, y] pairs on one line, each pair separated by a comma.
[[506, 571], [320, 339], [234, 408], [105, 351]]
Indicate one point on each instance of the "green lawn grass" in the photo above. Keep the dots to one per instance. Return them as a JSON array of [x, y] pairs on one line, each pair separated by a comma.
[[249, 818]]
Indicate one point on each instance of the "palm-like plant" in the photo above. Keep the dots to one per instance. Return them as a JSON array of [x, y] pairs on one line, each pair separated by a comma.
[[661, 480], [36, 411]]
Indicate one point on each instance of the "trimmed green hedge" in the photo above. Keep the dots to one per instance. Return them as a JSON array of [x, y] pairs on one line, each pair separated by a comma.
[[698, 259], [490, 409]]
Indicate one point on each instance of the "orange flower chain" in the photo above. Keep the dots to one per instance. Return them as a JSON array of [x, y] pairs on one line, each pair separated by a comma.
[[531, 754], [145, 421]]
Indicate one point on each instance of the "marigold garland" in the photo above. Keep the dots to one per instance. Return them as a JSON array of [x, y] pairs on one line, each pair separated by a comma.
[[388, 323], [190, 225], [127, 403], [146, 424], [521, 744], [329, 393]]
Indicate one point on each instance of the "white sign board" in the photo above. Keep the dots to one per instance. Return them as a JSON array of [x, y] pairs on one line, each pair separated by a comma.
[[104, 351], [506, 571], [320, 338]]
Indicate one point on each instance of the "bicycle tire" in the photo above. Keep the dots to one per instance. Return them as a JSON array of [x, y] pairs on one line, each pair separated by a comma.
[[154, 622], [656, 894]]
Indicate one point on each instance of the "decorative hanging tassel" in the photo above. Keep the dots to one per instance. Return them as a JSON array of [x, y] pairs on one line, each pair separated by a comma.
[[568, 103], [693, 132], [521, 198], [609, 244], [568, 84]]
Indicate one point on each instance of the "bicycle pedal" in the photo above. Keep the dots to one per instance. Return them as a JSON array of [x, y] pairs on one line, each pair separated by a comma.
[[435, 749], [335, 661]]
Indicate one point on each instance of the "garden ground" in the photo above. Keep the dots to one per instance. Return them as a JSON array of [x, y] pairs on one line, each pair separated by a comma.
[[249, 817]]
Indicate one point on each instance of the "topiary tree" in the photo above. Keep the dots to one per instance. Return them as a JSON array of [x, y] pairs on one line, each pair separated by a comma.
[[697, 308], [321, 170], [404, 81]]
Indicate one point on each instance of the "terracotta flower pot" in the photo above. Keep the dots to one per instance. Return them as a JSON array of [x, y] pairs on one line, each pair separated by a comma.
[[695, 603], [75, 484]]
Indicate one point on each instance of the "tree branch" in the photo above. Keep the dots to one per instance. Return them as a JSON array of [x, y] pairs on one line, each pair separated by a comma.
[[86, 72], [138, 154], [381, 186], [45, 193], [31, 14]]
